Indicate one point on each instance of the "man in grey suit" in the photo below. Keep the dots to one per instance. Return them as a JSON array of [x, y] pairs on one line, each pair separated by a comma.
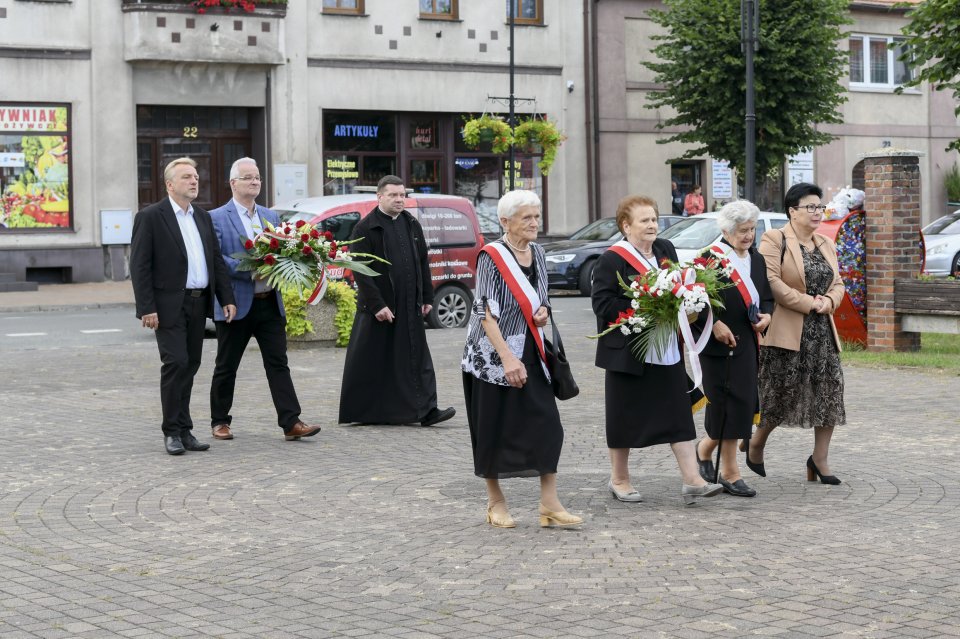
[[260, 313], [176, 268]]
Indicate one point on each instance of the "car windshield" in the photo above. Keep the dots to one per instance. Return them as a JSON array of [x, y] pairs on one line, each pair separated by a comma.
[[946, 225], [600, 230], [294, 216], [692, 233]]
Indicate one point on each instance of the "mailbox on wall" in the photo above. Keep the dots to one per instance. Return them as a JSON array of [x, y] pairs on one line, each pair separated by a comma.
[[116, 226]]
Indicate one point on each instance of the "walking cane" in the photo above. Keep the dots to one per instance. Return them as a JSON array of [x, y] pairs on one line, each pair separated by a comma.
[[723, 421]]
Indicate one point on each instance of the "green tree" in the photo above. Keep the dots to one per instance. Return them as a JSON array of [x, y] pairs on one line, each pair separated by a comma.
[[797, 75], [933, 47]]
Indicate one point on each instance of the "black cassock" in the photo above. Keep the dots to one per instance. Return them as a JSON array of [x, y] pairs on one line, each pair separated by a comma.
[[388, 376]]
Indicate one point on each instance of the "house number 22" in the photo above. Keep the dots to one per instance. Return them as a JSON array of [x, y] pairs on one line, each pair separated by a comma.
[[189, 131]]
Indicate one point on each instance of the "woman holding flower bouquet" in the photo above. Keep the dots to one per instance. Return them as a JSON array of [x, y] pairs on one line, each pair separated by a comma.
[[515, 428], [730, 357], [646, 398]]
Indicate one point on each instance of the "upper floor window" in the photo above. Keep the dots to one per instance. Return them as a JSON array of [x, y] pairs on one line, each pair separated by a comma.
[[349, 7], [526, 11], [439, 9], [875, 63]]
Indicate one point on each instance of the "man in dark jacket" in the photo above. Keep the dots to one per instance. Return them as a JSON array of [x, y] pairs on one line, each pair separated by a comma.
[[388, 376], [176, 268]]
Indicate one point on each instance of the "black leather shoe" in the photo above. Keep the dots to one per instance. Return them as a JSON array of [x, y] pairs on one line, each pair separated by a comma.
[[436, 416], [173, 444], [738, 488], [707, 470], [192, 443]]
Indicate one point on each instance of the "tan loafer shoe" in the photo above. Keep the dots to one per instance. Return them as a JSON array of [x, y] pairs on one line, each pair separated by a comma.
[[222, 431], [300, 430]]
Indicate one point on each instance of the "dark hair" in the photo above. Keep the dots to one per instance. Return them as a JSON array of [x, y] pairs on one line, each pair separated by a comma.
[[695, 187], [797, 192], [388, 179], [627, 204]]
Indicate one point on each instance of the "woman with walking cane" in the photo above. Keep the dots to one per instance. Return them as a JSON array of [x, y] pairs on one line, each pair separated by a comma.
[[730, 359]]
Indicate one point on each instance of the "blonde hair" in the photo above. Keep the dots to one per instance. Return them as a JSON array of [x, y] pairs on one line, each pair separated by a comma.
[[168, 170]]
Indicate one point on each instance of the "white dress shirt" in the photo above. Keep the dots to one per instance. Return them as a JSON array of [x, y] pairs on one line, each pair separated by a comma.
[[197, 276]]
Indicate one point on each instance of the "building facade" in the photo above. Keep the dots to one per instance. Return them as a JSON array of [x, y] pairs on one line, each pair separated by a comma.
[[327, 95], [628, 159]]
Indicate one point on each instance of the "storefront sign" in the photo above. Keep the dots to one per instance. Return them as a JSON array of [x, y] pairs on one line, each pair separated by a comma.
[[722, 180], [342, 169], [356, 131], [25, 118], [35, 189], [800, 168], [466, 163]]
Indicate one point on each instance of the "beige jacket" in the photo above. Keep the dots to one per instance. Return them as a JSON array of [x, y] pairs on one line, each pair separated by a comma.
[[789, 287]]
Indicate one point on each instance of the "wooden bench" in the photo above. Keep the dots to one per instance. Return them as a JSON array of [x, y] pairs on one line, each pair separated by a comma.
[[927, 306]]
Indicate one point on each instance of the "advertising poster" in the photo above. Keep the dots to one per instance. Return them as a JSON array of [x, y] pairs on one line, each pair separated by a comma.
[[34, 166], [722, 180], [800, 168]]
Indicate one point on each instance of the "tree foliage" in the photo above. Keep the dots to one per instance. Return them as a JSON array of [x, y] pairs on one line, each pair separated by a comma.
[[797, 75], [933, 47]]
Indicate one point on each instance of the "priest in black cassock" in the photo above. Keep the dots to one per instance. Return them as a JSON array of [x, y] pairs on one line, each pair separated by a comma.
[[388, 375]]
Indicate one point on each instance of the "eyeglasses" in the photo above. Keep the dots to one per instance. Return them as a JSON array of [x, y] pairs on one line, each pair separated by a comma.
[[813, 208], [249, 178]]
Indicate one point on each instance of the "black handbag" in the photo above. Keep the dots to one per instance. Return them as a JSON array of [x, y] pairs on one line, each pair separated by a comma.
[[564, 386]]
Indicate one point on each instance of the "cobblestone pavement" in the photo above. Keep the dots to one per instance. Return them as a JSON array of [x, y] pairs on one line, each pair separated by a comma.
[[379, 531]]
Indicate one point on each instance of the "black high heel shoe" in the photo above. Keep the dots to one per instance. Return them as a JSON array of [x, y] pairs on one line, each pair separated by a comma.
[[813, 470], [757, 468], [707, 470]]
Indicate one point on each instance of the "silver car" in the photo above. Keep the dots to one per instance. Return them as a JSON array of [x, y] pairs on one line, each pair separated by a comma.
[[700, 231], [942, 239]]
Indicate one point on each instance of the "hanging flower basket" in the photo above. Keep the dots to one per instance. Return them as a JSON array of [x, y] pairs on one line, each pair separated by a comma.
[[542, 133], [490, 129]]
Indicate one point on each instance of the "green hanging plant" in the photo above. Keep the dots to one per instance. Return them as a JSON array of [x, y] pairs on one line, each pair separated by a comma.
[[340, 293], [488, 128], [295, 308], [544, 133]]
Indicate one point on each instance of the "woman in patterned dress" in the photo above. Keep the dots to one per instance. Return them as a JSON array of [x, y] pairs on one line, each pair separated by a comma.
[[801, 380], [514, 424]]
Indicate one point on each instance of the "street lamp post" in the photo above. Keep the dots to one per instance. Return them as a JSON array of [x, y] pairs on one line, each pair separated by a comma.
[[749, 44], [511, 122]]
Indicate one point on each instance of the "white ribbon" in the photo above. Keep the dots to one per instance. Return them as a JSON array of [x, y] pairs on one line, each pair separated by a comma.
[[688, 277]]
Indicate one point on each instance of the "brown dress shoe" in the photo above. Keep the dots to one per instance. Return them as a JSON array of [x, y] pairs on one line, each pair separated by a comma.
[[222, 431], [300, 430]]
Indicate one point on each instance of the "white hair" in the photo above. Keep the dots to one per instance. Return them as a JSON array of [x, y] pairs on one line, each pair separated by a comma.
[[513, 201], [235, 169], [733, 214]]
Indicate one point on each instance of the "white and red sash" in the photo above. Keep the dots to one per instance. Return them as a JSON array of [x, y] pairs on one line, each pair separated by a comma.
[[628, 252], [526, 296], [745, 286]]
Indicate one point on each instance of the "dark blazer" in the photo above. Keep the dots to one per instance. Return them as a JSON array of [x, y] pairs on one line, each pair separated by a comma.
[[734, 313], [158, 262], [376, 293], [231, 235], [614, 350]]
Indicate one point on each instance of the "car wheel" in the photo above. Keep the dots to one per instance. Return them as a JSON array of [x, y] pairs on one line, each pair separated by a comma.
[[586, 277], [451, 308], [955, 268]]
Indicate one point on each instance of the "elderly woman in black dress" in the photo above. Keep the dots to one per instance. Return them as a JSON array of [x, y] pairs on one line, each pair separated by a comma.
[[646, 401], [729, 359], [801, 380], [514, 424]]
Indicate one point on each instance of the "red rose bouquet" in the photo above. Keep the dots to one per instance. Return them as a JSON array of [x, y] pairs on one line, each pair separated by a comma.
[[294, 257]]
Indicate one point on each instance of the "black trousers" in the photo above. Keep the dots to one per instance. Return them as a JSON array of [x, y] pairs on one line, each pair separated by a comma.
[[264, 323], [181, 347]]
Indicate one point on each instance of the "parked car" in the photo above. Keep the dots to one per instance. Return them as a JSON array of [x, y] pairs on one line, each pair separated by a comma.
[[570, 262], [450, 227], [942, 239], [694, 234]]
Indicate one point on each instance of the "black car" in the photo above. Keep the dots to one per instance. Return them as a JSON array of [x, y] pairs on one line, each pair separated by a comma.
[[570, 262]]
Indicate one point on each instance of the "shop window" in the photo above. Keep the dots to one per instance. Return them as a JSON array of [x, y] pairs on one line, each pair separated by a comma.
[[425, 175], [446, 228], [345, 7], [525, 11], [439, 9], [342, 173], [423, 135], [35, 160], [875, 62], [359, 132], [478, 180]]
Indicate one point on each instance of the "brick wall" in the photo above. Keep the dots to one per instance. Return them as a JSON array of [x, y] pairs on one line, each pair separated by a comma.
[[892, 205]]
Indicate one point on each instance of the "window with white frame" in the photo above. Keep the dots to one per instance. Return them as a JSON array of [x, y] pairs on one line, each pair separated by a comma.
[[875, 62]]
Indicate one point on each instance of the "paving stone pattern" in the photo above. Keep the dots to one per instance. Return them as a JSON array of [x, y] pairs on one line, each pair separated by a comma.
[[379, 531]]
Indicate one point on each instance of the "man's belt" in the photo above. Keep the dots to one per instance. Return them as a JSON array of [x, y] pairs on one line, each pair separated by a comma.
[[262, 296], [195, 292]]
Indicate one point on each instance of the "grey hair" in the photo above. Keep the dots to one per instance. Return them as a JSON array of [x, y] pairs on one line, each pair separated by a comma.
[[235, 168], [513, 201], [733, 214]]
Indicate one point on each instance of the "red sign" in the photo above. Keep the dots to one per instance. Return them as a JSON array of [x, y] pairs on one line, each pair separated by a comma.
[[21, 118]]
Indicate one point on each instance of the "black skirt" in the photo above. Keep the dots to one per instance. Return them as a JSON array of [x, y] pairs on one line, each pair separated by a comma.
[[649, 409], [736, 405], [515, 432]]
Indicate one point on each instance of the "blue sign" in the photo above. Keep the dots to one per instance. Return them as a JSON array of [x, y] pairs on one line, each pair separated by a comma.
[[356, 131], [466, 163]]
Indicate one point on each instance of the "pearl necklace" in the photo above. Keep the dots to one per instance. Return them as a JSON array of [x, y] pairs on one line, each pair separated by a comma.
[[518, 250]]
